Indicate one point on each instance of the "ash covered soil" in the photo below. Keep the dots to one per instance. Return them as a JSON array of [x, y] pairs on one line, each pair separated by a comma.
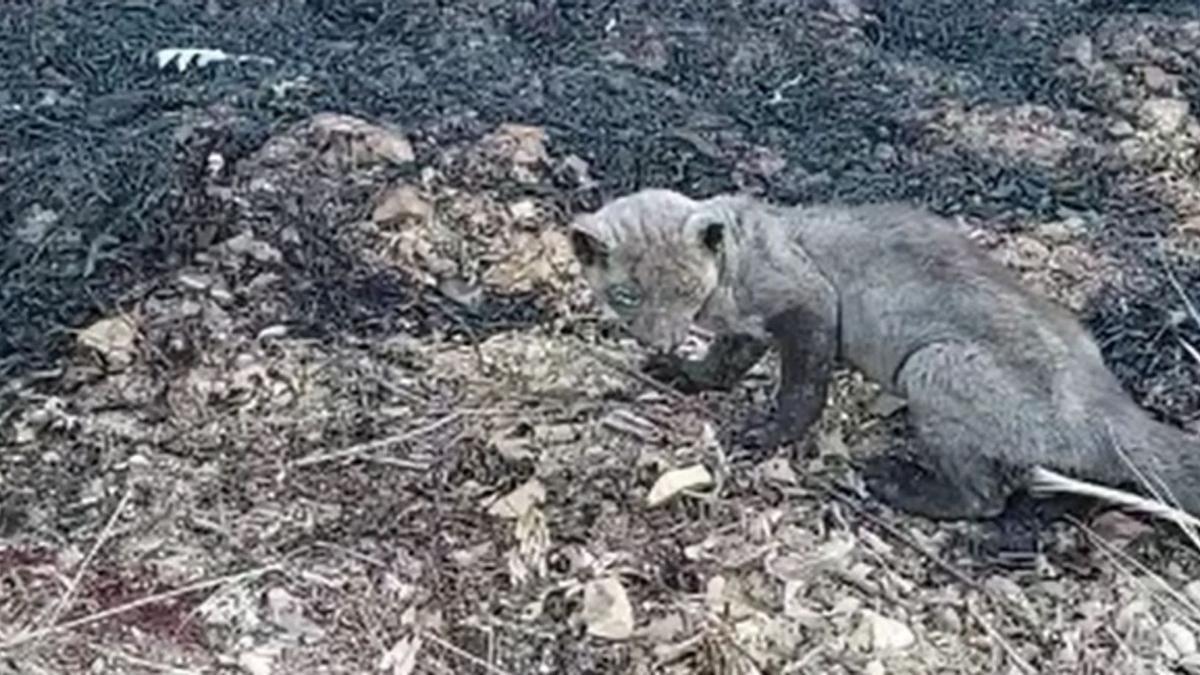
[[297, 374]]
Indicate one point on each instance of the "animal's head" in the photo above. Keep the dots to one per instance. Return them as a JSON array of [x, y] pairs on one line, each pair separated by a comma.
[[654, 259]]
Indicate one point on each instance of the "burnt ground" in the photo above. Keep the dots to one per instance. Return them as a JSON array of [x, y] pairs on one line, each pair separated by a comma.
[[277, 332]]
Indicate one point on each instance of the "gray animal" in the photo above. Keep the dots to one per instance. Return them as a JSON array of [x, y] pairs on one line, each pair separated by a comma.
[[1005, 389]]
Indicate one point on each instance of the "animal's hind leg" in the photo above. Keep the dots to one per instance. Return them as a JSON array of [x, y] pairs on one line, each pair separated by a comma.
[[973, 423]]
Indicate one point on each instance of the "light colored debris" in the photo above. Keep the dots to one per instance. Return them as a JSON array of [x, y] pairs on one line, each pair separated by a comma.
[[367, 141], [517, 503], [286, 612], [37, 223], [664, 629], [114, 339], [878, 633], [673, 482], [401, 659], [833, 554], [606, 609], [245, 244], [195, 281], [1178, 641], [261, 659], [778, 470], [522, 144], [1163, 116], [401, 201]]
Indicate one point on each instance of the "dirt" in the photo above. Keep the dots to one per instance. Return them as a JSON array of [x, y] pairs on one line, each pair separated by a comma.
[[298, 374]]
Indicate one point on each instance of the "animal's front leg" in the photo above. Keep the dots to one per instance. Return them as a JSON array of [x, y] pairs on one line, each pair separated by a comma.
[[727, 360], [807, 352]]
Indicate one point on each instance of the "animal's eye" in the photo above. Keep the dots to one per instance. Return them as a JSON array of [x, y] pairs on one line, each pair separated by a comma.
[[623, 296]]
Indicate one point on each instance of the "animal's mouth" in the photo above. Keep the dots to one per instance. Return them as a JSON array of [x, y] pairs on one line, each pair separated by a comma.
[[696, 344]]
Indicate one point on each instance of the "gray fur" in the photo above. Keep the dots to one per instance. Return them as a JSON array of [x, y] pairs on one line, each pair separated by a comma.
[[998, 380]]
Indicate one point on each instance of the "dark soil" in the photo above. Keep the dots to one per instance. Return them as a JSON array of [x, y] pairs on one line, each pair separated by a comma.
[[1047, 126]]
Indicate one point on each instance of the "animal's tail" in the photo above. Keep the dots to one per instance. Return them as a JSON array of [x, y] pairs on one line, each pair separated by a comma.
[[1158, 460]]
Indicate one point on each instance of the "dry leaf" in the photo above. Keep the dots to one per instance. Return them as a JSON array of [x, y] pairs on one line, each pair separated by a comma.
[[673, 482], [518, 502], [606, 609], [400, 202], [401, 659], [878, 633]]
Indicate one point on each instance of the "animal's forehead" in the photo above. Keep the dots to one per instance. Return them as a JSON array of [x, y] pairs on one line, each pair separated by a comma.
[[647, 210]]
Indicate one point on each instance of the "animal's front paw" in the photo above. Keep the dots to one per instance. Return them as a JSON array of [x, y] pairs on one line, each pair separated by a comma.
[[685, 375], [670, 370]]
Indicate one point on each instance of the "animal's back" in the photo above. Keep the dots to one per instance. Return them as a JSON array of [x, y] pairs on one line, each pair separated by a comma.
[[909, 280]]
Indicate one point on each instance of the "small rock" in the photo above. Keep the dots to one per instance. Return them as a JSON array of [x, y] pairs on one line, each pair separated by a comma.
[[846, 10], [778, 470], [1120, 129], [1157, 80], [875, 667], [1062, 231], [246, 244], [881, 634], [287, 612], [113, 339], [37, 223], [399, 202], [845, 606], [885, 152], [576, 169], [1178, 641], [1163, 115], [525, 145], [606, 609], [1080, 49], [523, 210], [1192, 591]]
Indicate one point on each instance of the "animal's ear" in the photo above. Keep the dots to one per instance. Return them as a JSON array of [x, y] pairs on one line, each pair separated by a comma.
[[708, 228], [586, 242]]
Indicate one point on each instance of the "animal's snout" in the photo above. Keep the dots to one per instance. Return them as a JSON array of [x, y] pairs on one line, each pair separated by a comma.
[[660, 334]]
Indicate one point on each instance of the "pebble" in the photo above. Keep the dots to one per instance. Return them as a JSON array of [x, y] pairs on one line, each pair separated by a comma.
[[884, 634], [1178, 641], [1163, 115]]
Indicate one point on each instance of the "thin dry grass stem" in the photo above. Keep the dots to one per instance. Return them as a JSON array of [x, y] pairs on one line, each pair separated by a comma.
[[1123, 561], [464, 654], [1192, 351], [51, 617], [1121, 644], [1000, 641], [379, 443], [1167, 508], [1179, 289], [890, 529], [1045, 481], [140, 662], [135, 604]]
